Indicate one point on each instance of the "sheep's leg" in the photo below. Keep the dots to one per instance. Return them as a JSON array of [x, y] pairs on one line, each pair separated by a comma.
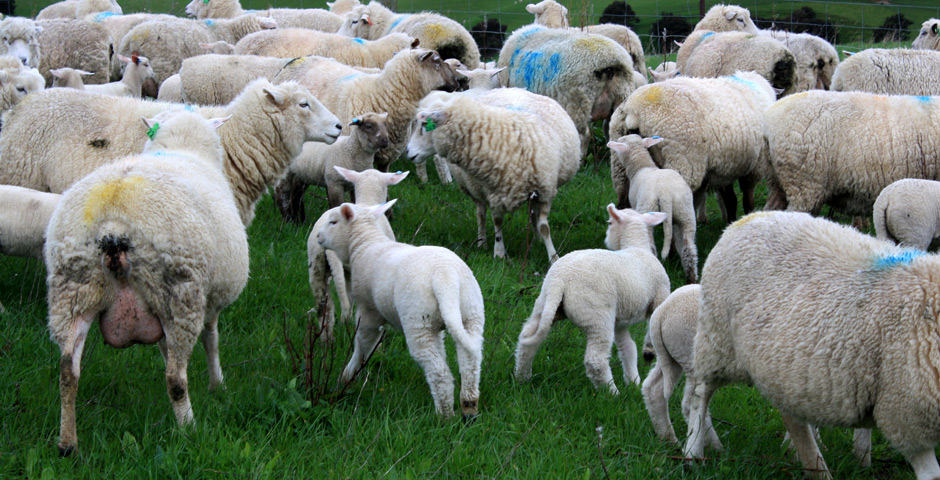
[[525, 353], [481, 224], [618, 176], [729, 200], [469, 362], [925, 464], [427, 348], [657, 406], [210, 342], [711, 438], [69, 373], [698, 419], [597, 354], [443, 171], [289, 198], [802, 438], [688, 253], [421, 170], [335, 194], [180, 340], [499, 249], [341, 283], [538, 211], [367, 336], [748, 184], [698, 200], [861, 446], [626, 349]]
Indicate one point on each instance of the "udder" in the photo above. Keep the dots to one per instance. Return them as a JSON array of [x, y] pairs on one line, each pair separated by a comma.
[[127, 322]]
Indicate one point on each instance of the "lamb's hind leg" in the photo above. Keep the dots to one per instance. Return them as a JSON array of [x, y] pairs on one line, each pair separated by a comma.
[[426, 346], [597, 353], [538, 213], [626, 349], [367, 336], [210, 342], [802, 438], [469, 358]]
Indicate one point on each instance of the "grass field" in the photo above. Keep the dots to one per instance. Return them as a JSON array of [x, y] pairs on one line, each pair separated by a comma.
[[272, 422]]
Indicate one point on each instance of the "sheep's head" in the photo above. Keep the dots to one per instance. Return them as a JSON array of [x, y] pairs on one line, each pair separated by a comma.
[[421, 144], [357, 24], [371, 185], [372, 130], [628, 228], [198, 9], [727, 18], [20, 38], [341, 220], [928, 37], [436, 71], [302, 117], [17, 83], [549, 13]]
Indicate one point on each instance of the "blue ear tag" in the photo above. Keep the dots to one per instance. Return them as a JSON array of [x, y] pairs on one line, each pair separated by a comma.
[[429, 125], [153, 130]]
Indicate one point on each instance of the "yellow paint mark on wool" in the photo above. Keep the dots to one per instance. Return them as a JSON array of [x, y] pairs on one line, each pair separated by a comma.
[[434, 33], [593, 43], [115, 193], [750, 218], [652, 94]]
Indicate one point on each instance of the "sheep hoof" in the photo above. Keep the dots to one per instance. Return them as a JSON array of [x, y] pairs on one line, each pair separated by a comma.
[[66, 450]]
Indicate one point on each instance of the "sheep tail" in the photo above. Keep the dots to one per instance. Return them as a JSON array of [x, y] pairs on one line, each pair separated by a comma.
[[447, 293], [114, 244], [880, 219], [666, 206], [546, 307]]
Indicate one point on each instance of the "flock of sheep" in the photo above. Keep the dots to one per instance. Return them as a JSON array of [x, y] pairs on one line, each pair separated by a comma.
[[139, 207]]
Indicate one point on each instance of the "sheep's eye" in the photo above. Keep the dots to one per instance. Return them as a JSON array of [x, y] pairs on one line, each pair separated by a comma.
[[21, 89], [332, 222], [304, 104], [6, 40], [355, 22]]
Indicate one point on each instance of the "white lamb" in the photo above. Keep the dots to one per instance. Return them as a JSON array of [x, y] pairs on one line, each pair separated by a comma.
[[602, 292], [66, 77], [805, 310], [153, 245], [513, 146], [928, 38], [340, 7], [60, 135], [16, 82], [171, 90], [907, 212], [137, 70], [298, 42], [23, 220], [422, 291], [371, 188], [549, 13], [214, 79], [653, 189], [312, 18], [664, 71]]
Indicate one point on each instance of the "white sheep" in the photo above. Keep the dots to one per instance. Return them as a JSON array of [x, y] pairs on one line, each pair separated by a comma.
[[708, 54], [19, 37], [171, 90], [371, 188], [311, 18], [220, 47], [907, 212], [118, 26], [436, 32], [816, 59], [549, 13], [511, 146], [78, 9], [23, 220], [66, 77], [153, 245], [341, 7], [16, 82], [298, 42], [604, 292], [214, 79], [137, 70], [421, 290], [928, 39], [653, 189], [894, 71], [74, 44], [60, 135], [801, 307], [824, 148], [716, 140], [168, 42], [664, 71], [727, 18], [588, 74]]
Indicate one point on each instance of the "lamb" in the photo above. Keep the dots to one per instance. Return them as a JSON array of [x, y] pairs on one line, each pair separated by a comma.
[[78, 9], [894, 71], [220, 47], [314, 165], [168, 43], [436, 32], [298, 42], [16, 82], [371, 188], [154, 245], [341, 7], [816, 59], [23, 220], [171, 90], [58, 136], [604, 292], [664, 71], [755, 294], [728, 109], [421, 290], [549, 13], [217, 79], [587, 74], [906, 213], [397, 89], [75, 44], [928, 39], [727, 18], [20, 38], [118, 26], [819, 154], [138, 69], [708, 54], [312, 18], [66, 77], [653, 189]]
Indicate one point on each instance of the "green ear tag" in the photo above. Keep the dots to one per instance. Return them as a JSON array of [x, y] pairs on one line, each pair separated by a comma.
[[153, 130], [429, 125], [205, 1]]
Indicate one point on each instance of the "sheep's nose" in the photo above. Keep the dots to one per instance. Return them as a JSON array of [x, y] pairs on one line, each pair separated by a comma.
[[23, 59], [339, 126]]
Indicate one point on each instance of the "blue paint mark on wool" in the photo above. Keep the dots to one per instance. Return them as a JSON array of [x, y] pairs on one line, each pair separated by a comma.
[[923, 99], [396, 22], [903, 258], [750, 84], [359, 40], [533, 68], [349, 77], [103, 15], [210, 23], [164, 153]]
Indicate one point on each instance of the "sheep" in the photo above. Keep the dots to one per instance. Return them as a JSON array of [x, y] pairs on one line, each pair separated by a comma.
[[118, 26], [709, 54], [509, 146], [906, 213], [397, 89], [78, 9], [312, 18], [16, 82], [927, 39], [220, 47], [587, 74], [602, 292], [171, 90], [421, 290], [20, 38], [728, 109], [314, 165], [57, 136], [664, 71], [549, 13], [138, 69], [341, 7], [816, 59], [653, 189], [167, 43], [66, 77], [75, 44], [805, 310], [217, 79], [727, 18], [819, 153], [298, 42], [436, 32], [895, 71], [371, 188], [23, 220], [152, 244]]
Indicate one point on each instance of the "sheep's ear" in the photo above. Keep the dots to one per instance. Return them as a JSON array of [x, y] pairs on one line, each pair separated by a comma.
[[276, 96], [383, 115], [615, 214], [204, 45], [82, 72], [496, 72], [653, 218], [778, 91], [135, 58], [426, 55], [847, 53], [123, 58], [618, 146], [367, 20], [148, 122], [350, 175], [415, 43], [534, 9], [347, 211], [439, 118], [56, 72], [395, 178], [267, 23], [650, 141], [355, 121], [329, 4], [217, 122], [380, 209], [463, 72], [730, 14], [678, 44]]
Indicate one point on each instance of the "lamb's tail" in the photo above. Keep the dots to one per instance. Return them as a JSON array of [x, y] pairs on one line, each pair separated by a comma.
[[446, 290], [546, 306], [665, 205], [114, 243], [667, 364], [880, 219]]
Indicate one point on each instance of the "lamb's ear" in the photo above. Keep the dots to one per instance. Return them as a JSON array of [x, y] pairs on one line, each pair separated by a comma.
[[276, 96], [618, 146], [650, 141], [367, 19], [426, 55], [347, 211], [329, 4], [678, 44], [267, 23], [217, 122], [496, 72], [382, 115], [123, 58], [56, 72], [439, 118], [350, 175], [148, 122], [847, 53], [534, 9], [380, 209], [394, 178], [415, 43], [730, 14], [615, 214], [653, 218]]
